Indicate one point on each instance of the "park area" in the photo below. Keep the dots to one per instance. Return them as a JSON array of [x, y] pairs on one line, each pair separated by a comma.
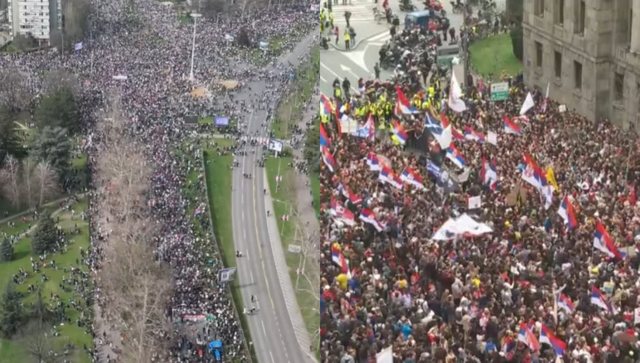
[[492, 57], [46, 312]]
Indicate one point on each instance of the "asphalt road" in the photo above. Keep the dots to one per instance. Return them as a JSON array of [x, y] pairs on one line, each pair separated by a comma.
[[273, 326], [359, 63]]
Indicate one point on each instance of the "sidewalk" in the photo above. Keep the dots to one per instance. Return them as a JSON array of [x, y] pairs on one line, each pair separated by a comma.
[[288, 293]]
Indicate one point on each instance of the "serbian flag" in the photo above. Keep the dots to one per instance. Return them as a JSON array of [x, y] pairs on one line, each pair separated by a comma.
[[351, 196], [510, 127], [324, 137], [410, 176], [338, 258], [367, 216], [456, 134], [568, 213], [489, 175], [564, 302], [598, 299], [328, 159], [533, 174], [326, 106], [403, 106], [387, 176], [604, 242], [526, 336], [473, 135], [400, 135], [373, 162], [341, 213], [547, 337], [454, 155]]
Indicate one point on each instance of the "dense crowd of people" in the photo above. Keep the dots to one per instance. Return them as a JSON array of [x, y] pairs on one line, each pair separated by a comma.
[[556, 279], [142, 54]]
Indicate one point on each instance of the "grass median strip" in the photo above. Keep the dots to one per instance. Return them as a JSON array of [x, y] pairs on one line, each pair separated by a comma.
[[291, 234], [218, 178]]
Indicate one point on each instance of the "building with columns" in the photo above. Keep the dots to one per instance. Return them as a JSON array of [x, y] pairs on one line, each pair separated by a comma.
[[588, 51]]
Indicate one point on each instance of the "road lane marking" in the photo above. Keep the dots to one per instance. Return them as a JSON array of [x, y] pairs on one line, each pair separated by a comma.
[[272, 360], [264, 330], [255, 224], [335, 74]]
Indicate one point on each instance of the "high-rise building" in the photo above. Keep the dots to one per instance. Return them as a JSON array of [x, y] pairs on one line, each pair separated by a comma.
[[34, 17], [588, 51]]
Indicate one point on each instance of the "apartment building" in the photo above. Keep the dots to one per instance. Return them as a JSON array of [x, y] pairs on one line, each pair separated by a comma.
[[588, 51], [34, 17]]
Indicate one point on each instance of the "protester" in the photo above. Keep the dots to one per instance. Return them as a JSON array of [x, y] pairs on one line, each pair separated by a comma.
[[149, 48], [388, 186]]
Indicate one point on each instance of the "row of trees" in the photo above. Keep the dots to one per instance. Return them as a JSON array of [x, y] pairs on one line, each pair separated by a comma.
[[36, 162], [136, 286]]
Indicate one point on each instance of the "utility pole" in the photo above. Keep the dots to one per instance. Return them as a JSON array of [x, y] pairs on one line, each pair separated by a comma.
[[465, 42], [195, 17]]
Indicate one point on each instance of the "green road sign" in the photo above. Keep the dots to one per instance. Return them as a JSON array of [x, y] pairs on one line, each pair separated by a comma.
[[499, 91]]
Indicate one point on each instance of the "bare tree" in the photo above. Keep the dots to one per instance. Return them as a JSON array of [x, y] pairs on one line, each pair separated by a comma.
[[45, 178], [36, 340], [59, 78], [26, 171], [9, 178], [15, 92], [309, 267]]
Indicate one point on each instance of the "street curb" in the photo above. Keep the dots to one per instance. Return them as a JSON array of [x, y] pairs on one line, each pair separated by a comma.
[[343, 49]]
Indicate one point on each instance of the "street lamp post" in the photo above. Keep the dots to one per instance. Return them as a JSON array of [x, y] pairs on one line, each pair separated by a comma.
[[195, 17]]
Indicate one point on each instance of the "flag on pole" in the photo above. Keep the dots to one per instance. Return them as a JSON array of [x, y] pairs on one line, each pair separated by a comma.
[[455, 93], [78, 46], [546, 99], [527, 105]]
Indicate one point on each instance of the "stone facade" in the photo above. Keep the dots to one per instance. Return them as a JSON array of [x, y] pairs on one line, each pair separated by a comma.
[[600, 37]]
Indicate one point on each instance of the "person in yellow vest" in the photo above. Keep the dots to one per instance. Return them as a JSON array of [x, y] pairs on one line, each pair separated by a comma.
[[347, 40]]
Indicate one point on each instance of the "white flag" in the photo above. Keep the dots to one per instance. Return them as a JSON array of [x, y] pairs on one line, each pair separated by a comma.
[[475, 202], [636, 316], [455, 92], [492, 138], [385, 356], [527, 105], [444, 139], [78, 46]]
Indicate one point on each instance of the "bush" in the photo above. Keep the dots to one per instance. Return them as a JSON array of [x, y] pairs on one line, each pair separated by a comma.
[[46, 237], [516, 42]]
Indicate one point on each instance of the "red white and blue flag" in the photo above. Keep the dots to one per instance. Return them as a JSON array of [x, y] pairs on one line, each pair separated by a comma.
[[564, 302], [410, 176], [351, 196], [367, 216], [473, 135], [328, 159], [342, 214], [605, 243], [324, 137], [338, 258], [387, 176], [454, 155], [399, 133], [598, 299], [533, 174], [526, 336], [489, 175], [511, 127], [403, 106], [568, 213], [373, 162], [547, 337]]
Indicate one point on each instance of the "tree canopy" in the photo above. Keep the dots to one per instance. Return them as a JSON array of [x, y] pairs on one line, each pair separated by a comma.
[[11, 311], [58, 108], [53, 146], [46, 237]]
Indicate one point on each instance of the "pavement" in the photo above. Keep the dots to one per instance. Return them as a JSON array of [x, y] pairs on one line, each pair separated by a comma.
[[277, 329], [336, 62]]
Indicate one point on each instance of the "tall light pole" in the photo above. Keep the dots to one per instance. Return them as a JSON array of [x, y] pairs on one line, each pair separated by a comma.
[[195, 17]]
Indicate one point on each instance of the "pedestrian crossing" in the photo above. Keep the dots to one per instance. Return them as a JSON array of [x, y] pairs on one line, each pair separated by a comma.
[[361, 11]]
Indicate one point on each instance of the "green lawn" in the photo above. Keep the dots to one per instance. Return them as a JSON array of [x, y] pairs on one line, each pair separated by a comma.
[[290, 109], [283, 203], [205, 120], [69, 332], [493, 56]]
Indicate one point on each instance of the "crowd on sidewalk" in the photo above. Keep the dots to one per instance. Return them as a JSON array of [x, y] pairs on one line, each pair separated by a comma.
[[141, 53], [476, 233]]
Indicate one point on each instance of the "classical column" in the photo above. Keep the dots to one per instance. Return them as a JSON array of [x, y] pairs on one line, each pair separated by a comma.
[[635, 30]]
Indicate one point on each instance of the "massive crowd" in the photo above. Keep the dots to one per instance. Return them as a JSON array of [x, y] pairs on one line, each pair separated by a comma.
[[149, 48], [554, 281]]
